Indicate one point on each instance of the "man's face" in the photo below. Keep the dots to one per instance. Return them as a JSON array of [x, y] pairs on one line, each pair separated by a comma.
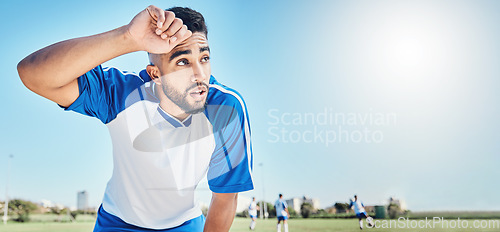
[[185, 73]]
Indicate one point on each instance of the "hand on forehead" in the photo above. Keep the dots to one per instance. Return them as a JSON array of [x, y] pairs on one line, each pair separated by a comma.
[[196, 38], [196, 43]]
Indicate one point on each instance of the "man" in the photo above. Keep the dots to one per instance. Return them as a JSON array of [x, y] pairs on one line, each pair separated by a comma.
[[360, 211], [170, 125], [252, 211], [282, 213]]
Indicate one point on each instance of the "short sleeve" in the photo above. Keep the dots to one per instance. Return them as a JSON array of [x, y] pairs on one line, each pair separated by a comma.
[[230, 168], [102, 92]]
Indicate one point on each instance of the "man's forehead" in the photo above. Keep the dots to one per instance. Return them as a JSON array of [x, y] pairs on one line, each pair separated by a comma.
[[192, 43], [195, 42], [196, 39]]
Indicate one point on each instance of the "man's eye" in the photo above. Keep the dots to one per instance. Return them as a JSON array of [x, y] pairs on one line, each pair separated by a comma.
[[182, 62], [205, 59]]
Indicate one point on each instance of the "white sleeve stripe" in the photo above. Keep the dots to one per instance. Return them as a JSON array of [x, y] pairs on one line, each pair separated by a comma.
[[122, 72], [247, 130]]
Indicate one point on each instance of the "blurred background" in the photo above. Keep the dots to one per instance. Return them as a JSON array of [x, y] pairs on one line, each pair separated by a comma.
[[383, 99]]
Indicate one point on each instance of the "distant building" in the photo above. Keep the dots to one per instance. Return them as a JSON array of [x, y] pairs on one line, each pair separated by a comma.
[[46, 203], [399, 202], [82, 200], [45, 206], [296, 202], [313, 201]]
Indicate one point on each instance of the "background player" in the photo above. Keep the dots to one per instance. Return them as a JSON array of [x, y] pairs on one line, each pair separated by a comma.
[[252, 211], [282, 213], [360, 211]]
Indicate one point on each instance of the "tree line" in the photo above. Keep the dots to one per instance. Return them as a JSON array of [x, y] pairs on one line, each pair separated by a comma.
[[20, 210]]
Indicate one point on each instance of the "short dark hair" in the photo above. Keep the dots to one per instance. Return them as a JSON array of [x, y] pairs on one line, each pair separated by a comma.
[[192, 19], [281, 195]]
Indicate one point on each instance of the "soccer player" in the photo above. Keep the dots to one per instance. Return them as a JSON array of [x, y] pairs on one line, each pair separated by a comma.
[[252, 211], [360, 211], [170, 125], [281, 212]]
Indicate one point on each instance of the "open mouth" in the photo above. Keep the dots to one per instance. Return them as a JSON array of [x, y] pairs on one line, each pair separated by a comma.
[[199, 93]]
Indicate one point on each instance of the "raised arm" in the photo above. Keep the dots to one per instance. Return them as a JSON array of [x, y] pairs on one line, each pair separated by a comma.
[[52, 72], [221, 212]]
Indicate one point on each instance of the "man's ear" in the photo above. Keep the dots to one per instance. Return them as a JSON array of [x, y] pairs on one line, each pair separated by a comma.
[[154, 73]]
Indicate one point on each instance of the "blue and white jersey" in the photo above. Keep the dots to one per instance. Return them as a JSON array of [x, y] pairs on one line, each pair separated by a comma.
[[252, 209], [159, 160], [358, 206], [280, 207]]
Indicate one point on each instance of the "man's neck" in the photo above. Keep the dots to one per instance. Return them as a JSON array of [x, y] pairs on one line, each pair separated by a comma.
[[168, 106], [181, 116]]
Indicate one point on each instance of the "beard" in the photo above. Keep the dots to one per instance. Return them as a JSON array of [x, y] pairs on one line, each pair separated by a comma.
[[180, 99]]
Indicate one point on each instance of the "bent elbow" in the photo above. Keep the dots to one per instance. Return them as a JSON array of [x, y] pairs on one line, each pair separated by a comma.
[[21, 70], [25, 75]]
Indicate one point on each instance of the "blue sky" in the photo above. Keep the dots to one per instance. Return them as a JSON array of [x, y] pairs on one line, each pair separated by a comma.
[[413, 86]]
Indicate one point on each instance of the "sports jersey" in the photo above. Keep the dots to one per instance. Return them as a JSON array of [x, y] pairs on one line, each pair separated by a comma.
[[159, 160], [280, 207], [252, 209], [358, 207]]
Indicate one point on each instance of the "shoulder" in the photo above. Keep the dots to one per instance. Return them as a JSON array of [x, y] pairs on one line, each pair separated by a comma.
[[222, 95], [103, 91], [112, 81], [115, 74], [224, 103]]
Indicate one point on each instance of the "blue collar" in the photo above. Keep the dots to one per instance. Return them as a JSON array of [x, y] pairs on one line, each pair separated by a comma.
[[174, 121]]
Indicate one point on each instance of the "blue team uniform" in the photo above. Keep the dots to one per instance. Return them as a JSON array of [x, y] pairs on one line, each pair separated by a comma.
[[159, 160], [252, 209], [280, 206], [359, 209]]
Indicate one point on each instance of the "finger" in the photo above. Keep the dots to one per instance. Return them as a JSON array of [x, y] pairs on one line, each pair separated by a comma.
[[181, 35], [174, 27], [177, 40], [169, 18], [157, 14]]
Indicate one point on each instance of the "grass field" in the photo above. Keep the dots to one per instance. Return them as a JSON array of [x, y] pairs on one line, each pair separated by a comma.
[[241, 224], [347, 225]]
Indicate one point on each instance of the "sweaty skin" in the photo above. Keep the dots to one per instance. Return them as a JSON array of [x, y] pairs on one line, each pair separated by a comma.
[[182, 75]]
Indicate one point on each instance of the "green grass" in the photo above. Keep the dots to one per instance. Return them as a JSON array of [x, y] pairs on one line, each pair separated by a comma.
[[47, 227], [61, 218], [456, 214], [347, 225], [240, 225]]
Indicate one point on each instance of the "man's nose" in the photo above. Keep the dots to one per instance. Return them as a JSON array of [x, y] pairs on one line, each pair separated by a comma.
[[199, 74]]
